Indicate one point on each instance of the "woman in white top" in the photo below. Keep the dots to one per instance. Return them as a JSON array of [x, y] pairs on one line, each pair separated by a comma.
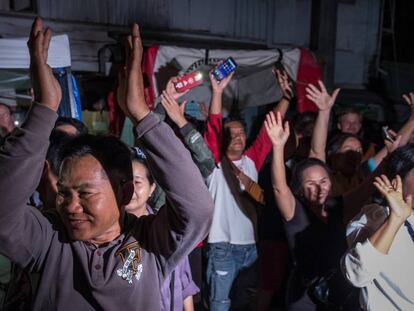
[[381, 257]]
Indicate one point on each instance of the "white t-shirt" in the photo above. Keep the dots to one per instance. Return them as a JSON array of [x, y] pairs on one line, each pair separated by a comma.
[[230, 224], [387, 281]]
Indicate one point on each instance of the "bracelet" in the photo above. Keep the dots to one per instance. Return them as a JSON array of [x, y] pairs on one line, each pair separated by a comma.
[[371, 164]]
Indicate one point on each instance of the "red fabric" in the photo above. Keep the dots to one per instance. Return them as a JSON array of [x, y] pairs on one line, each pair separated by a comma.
[[116, 117], [260, 148], [148, 69], [308, 72], [214, 135]]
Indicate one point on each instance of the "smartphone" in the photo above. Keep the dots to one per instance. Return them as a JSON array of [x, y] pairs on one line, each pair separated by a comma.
[[224, 69], [386, 135], [188, 81]]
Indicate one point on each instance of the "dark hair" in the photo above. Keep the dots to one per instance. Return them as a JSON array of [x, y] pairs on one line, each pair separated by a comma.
[[137, 155], [303, 123], [337, 141], [113, 155], [400, 162], [296, 181], [57, 140], [81, 128], [233, 118]]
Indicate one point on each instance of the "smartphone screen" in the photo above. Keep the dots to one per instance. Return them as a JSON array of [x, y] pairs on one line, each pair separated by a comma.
[[224, 69], [386, 135]]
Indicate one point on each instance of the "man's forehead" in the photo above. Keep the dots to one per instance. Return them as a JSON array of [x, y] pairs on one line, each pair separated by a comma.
[[86, 166], [351, 116], [234, 125]]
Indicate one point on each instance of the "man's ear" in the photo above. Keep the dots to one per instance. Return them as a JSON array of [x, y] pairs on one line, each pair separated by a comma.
[[127, 192], [153, 186], [338, 125]]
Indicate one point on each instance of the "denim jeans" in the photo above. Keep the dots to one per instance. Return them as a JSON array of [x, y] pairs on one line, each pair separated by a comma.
[[225, 261]]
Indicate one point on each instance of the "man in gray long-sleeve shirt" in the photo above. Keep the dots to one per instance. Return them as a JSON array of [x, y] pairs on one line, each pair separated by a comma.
[[89, 253]]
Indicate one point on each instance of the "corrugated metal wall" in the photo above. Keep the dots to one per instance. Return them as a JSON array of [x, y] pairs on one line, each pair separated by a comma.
[[269, 22], [273, 22]]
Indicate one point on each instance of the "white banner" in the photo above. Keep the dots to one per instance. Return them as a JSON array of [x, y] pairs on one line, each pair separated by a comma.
[[14, 53], [253, 84]]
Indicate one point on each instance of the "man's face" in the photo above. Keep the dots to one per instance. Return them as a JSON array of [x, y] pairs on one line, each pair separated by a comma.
[[86, 201], [350, 123], [237, 137]]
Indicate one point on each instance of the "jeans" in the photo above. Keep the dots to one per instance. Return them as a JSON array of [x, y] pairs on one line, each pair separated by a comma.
[[225, 261]]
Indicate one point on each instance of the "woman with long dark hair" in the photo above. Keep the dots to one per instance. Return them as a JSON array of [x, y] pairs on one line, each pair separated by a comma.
[[313, 219]]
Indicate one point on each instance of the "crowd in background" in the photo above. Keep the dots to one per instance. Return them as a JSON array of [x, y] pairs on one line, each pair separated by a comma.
[[312, 215]]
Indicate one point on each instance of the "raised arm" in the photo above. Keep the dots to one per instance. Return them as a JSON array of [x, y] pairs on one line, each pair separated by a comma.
[[261, 146], [287, 93], [24, 232], [192, 139], [186, 219], [364, 260], [214, 129], [278, 135], [401, 138], [324, 102]]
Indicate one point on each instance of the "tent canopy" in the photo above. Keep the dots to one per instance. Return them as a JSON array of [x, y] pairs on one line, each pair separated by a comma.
[[15, 61], [252, 85]]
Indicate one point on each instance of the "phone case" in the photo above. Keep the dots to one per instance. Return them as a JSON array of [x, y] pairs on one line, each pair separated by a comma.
[[188, 81], [224, 69]]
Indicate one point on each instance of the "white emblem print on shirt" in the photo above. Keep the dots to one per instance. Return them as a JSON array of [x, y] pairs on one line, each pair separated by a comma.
[[132, 266]]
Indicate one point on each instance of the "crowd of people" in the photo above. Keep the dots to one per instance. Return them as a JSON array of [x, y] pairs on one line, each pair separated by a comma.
[[89, 223]]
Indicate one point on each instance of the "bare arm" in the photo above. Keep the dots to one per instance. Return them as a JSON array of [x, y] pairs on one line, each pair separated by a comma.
[[402, 136], [324, 102], [216, 104], [287, 93], [188, 304], [279, 134], [400, 210]]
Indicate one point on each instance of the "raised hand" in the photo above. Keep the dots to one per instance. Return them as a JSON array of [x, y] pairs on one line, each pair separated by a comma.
[[46, 88], [277, 132], [285, 86], [321, 97], [173, 110], [170, 88], [219, 86], [410, 101], [131, 86], [400, 208]]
